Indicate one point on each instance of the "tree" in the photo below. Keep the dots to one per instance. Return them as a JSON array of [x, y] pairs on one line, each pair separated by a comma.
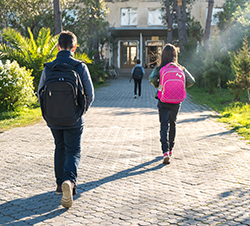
[[176, 13], [208, 21], [234, 34], [34, 14], [182, 21], [57, 16], [169, 21], [240, 62], [22, 14], [89, 23], [229, 8]]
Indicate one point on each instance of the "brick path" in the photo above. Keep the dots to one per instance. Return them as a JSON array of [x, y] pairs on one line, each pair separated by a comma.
[[122, 180]]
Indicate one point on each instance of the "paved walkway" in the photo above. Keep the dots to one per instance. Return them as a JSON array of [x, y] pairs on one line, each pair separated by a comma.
[[122, 180]]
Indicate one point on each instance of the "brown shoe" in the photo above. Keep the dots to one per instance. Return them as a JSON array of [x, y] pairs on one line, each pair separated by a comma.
[[166, 158], [67, 198], [58, 190], [74, 190]]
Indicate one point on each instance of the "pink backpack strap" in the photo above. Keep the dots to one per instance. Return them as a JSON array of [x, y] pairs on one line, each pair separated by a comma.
[[171, 63]]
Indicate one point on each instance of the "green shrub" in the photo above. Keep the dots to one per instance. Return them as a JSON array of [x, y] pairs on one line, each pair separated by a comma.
[[240, 62], [16, 86]]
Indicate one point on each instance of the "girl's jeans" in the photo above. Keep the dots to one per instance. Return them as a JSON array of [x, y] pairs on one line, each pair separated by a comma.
[[67, 153], [167, 115]]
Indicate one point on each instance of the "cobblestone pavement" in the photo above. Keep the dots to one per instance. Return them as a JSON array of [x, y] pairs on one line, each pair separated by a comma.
[[122, 180]]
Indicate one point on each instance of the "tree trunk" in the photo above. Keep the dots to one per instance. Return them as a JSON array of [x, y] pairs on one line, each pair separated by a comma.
[[184, 21], [180, 6], [57, 16], [96, 38], [169, 20], [208, 21]]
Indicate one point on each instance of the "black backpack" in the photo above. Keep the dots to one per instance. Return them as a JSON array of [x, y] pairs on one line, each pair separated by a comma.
[[62, 98], [137, 73]]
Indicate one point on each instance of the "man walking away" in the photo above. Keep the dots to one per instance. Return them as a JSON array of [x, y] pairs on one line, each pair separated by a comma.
[[137, 74], [65, 93]]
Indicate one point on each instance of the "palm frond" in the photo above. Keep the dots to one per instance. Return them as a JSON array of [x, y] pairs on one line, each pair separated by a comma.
[[32, 41], [50, 50], [43, 39], [8, 53], [84, 57], [15, 39]]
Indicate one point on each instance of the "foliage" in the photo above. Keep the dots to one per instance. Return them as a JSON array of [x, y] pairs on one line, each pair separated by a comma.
[[22, 14], [96, 68], [226, 15], [216, 67], [34, 14], [85, 18], [83, 57], [214, 62], [89, 23], [195, 31], [16, 86], [242, 15], [193, 61], [187, 29], [29, 52], [240, 62]]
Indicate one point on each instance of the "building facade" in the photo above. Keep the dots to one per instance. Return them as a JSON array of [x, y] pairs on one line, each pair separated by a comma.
[[138, 30]]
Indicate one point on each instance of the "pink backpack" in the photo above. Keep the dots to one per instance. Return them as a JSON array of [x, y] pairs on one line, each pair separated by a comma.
[[172, 84]]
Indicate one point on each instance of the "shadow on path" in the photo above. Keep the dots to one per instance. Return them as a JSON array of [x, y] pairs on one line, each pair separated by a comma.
[[122, 174], [35, 209]]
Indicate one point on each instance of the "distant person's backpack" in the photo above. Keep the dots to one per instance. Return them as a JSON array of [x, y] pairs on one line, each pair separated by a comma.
[[137, 73], [172, 84], [62, 98]]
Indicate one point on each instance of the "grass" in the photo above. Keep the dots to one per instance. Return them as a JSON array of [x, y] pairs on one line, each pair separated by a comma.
[[235, 114], [23, 117]]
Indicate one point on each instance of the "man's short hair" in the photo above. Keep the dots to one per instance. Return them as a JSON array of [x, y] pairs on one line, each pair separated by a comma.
[[138, 61], [67, 40]]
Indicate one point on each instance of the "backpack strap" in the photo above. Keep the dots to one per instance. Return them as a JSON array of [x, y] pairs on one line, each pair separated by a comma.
[[172, 63]]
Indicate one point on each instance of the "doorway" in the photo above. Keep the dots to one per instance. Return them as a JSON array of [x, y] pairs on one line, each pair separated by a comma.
[[128, 54], [153, 53]]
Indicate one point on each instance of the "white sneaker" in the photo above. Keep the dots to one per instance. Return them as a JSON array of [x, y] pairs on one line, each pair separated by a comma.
[[67, 198]]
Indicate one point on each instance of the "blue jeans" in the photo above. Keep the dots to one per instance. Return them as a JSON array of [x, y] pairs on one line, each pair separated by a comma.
[[67, 153], [167, 115]]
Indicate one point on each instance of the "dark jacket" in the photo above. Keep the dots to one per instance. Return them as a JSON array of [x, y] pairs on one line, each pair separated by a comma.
[[65, 56]]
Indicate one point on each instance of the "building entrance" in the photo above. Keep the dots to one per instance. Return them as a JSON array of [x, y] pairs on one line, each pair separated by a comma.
[[153, 53], [128, 54]]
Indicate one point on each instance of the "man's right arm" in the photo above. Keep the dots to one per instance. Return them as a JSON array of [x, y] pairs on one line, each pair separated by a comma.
[[41, 83]]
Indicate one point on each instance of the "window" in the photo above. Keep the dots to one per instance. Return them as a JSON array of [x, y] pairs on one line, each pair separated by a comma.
[[215, 20], [155, 17], [128, 17]]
